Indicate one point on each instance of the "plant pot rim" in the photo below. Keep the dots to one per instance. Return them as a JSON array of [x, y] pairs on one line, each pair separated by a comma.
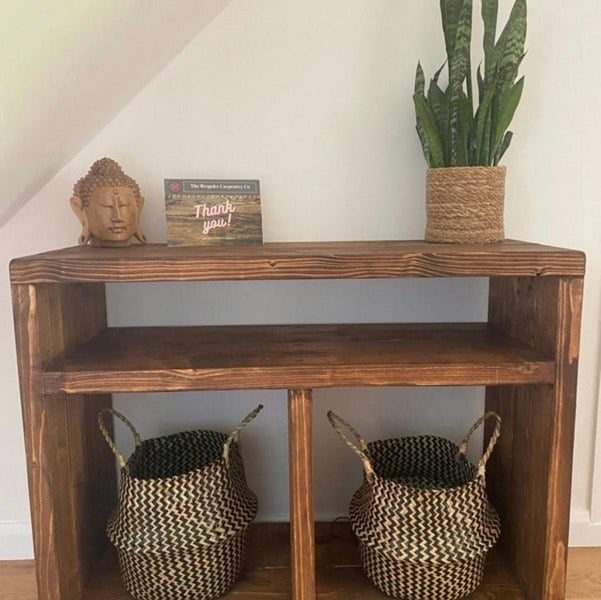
[[471, 168]]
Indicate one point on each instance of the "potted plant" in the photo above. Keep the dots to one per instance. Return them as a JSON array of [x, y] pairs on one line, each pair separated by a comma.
[[465, 137]]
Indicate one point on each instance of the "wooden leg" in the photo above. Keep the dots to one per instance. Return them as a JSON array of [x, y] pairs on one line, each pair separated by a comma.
[[301, 494], [71, 471], [530, 471]]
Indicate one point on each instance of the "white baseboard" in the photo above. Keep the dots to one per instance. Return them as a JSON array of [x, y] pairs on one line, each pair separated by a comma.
[[15, 540], [583, 533]]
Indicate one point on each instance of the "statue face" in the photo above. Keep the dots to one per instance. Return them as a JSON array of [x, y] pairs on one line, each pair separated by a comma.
[[112, 213]]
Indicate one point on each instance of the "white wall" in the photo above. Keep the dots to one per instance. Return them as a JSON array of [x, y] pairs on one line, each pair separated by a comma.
[[314, 99], [68, 67]]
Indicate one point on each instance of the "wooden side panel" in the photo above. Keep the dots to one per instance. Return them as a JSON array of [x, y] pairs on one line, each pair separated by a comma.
[[71, 474], [530, 473], [302, 527], [519, 481], [562, 443], [92, 480], [499, 468]]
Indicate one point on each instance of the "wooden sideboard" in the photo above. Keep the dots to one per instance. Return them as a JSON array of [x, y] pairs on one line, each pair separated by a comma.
[[70, 362]]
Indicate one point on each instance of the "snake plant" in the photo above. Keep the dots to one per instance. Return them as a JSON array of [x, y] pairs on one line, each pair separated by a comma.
[[453, 130]]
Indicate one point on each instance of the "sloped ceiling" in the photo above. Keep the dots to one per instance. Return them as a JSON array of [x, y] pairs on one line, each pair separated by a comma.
[[68, 67]]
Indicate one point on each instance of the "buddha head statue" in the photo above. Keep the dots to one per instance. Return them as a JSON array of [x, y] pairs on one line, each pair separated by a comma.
[[108, 203]]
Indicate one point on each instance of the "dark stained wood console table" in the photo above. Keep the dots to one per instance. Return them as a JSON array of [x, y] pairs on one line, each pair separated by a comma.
[[70, 362]]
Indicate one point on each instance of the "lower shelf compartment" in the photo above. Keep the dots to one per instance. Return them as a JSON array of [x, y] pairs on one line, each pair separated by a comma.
[[339, 575]]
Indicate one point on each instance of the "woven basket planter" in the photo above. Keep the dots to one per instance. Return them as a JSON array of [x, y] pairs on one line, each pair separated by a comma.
[[422, 516], [182, 513], [465, 205]]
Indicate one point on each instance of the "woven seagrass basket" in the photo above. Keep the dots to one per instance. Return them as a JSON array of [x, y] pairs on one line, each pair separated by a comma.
[[422, 516], [465, 205], [183, 509]]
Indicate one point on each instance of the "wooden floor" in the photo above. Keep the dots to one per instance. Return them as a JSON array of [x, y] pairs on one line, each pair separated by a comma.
[[584, 576]]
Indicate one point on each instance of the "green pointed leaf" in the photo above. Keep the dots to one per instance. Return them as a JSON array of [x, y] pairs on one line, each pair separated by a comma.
[[485, 155], [423, 139], [465, 125], [459, 67], [437, 74], [506, 106], [440, 107], [424, 142], [458, 72], [490, 11], [450, 11], [420, 88], [510, 48], [483, 116], [427, 119], [438, 102], [420, 81], [480, 85], [468, 79], [506, 141]]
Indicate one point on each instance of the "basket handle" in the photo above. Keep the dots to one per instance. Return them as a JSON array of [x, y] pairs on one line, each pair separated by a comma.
[[235, 435], [362, 451], [491, 443], [109, 440]]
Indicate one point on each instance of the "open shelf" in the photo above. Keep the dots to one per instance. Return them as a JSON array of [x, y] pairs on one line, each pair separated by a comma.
[[290, 356], [266, 573]]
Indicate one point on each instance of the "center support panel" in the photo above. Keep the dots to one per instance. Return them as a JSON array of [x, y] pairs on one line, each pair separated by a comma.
[[302, 528]]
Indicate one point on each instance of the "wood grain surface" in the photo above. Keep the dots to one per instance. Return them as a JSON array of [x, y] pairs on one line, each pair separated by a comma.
[[584, 574], [531, 469], [71, 473], [319, 260], [242, 226], [302, 526], [17, 580], [289, 356]]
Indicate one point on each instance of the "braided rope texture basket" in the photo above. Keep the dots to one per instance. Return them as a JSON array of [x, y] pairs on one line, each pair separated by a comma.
[[464, 205], [182, 513], [422, 516]]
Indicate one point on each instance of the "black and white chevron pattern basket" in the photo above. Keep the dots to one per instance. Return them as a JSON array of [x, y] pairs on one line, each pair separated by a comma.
[[422, 517], [182, 513]]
